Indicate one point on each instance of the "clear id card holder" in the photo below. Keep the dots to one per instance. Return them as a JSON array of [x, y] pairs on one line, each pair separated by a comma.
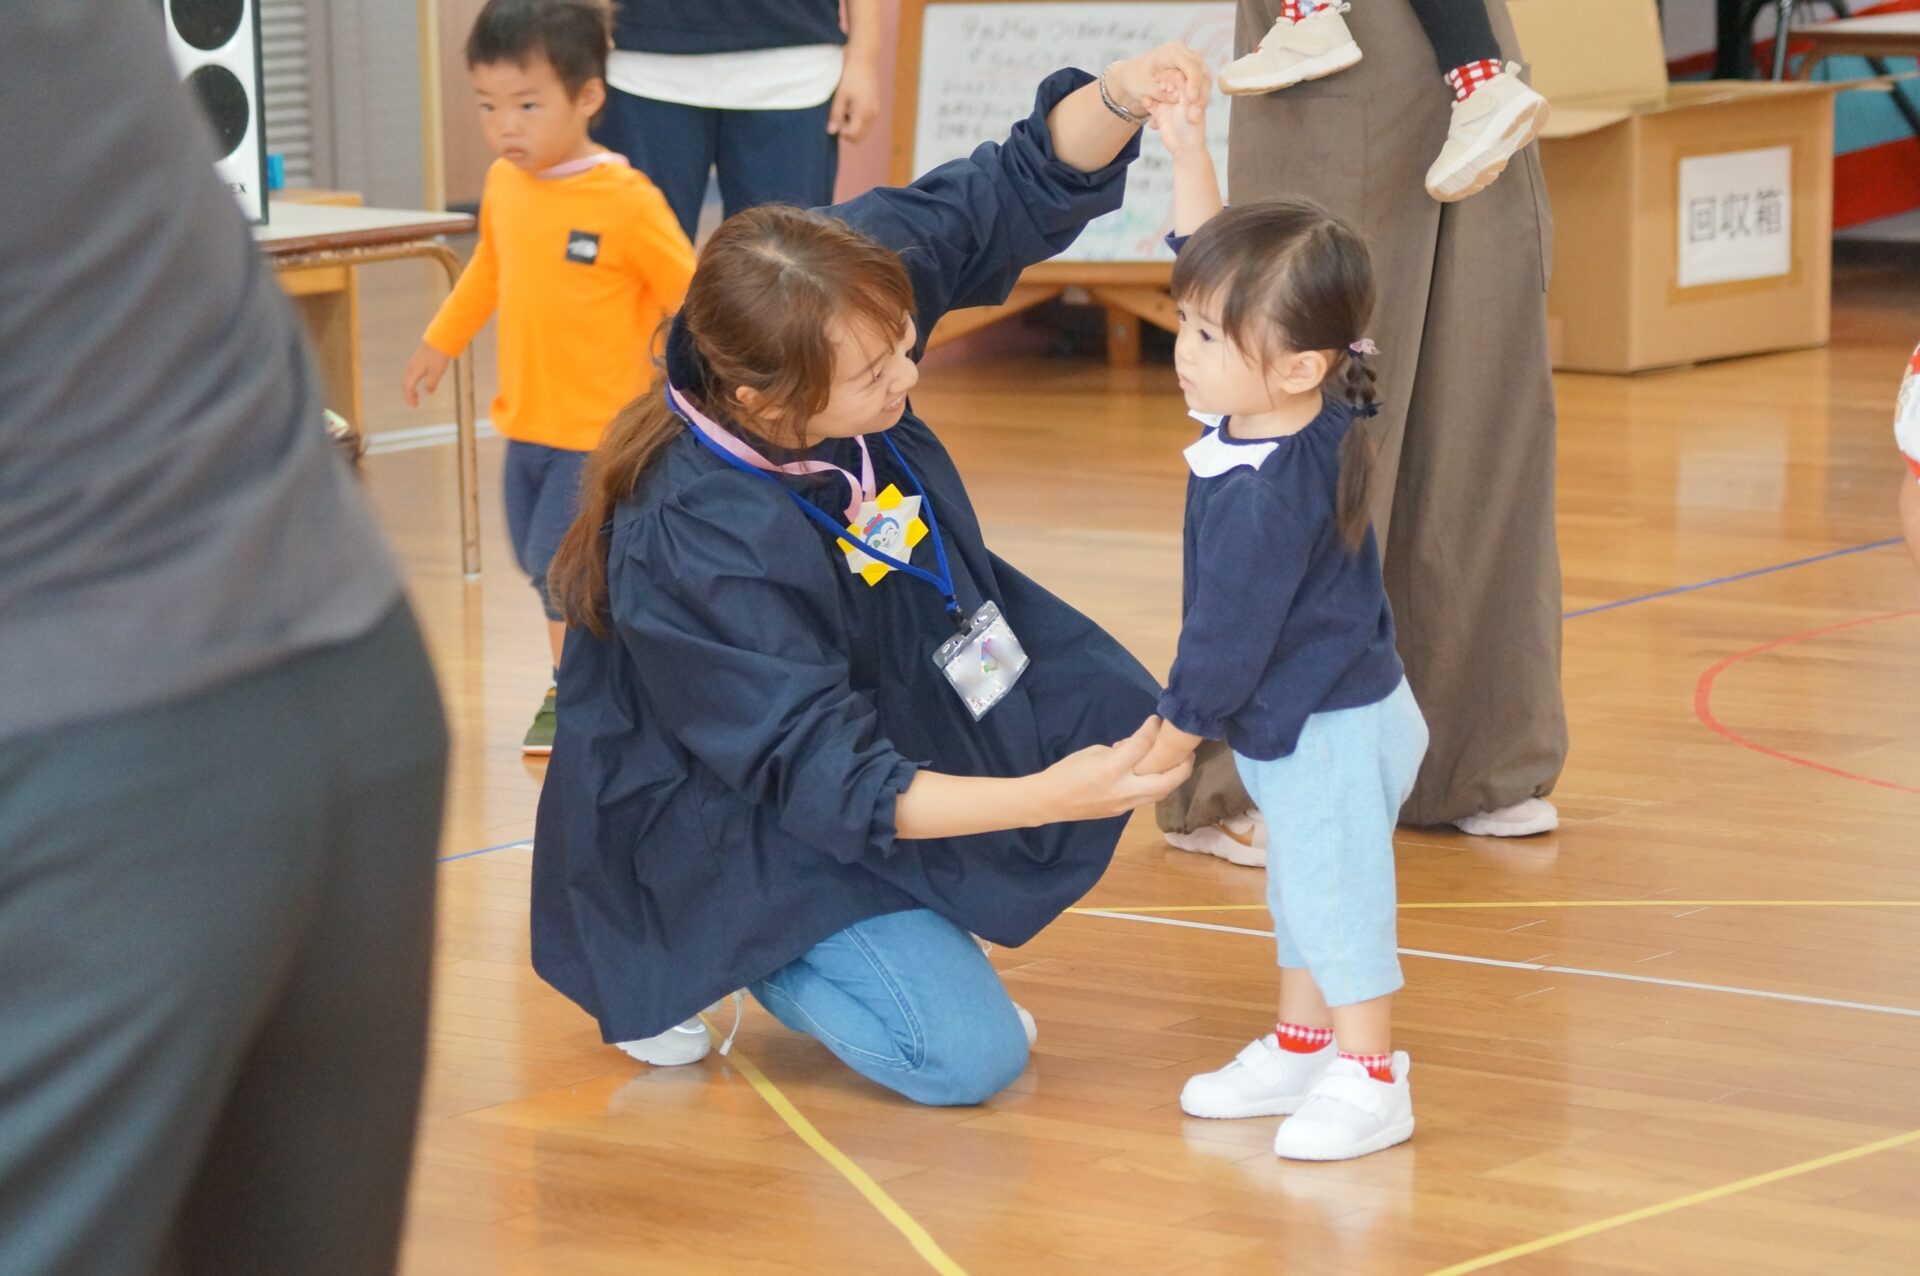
[[982, 661]]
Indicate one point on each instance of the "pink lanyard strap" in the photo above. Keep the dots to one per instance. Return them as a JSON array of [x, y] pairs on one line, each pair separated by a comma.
[[720, 436]]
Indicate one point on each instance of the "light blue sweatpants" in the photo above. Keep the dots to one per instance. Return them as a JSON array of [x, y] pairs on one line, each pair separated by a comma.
[[1331, 806]]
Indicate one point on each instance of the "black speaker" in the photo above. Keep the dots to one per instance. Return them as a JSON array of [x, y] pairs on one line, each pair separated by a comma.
[[216, 45]]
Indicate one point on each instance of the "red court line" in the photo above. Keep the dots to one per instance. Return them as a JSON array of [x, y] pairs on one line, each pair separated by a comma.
[[1703, 702]]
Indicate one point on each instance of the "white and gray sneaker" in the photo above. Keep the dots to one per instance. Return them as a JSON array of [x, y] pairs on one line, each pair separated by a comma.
[[1349, 1114], [1262, 1080], [683, 1043], [1316, 46], [1027, 1025]]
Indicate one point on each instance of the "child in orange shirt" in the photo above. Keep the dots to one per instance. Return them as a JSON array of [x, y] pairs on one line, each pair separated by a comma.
[[578, 253]]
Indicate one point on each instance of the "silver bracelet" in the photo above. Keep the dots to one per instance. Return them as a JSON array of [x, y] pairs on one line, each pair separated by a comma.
[[1106, 100]]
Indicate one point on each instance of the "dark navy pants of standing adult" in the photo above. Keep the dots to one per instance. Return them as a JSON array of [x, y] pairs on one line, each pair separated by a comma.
[[763, 157]]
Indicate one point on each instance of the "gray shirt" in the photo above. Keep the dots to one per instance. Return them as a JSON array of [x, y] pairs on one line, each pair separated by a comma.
[[171, 513]]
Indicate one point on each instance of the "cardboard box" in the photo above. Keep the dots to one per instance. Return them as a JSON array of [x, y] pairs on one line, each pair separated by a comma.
[[1692, 221]]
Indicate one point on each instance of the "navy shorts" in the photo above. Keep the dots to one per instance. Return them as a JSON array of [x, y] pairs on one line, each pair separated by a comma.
[[542, 496]]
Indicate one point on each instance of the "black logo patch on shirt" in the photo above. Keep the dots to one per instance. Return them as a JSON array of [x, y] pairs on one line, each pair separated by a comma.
[[583, 246]]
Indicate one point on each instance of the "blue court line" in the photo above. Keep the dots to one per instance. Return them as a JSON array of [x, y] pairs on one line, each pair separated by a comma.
[[526, 843], [1728, 580], [523, 844]]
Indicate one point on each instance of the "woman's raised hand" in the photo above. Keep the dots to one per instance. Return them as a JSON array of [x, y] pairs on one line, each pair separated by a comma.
[[1099, 782], [1171, 75]]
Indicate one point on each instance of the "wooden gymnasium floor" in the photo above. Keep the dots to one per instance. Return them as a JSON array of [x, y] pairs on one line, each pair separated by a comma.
[[1678, 1036]]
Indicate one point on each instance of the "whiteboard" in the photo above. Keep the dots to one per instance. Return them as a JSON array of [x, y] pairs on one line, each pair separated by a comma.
[[979, 64]]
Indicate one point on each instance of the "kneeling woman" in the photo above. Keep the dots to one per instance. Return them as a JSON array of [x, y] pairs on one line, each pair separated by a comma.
[[813, 735]]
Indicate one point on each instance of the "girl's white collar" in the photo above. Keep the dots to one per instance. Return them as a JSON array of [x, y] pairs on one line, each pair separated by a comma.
[[1211, 455]]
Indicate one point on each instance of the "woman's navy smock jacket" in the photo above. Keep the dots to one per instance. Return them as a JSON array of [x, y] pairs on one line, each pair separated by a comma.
[[721, 793]]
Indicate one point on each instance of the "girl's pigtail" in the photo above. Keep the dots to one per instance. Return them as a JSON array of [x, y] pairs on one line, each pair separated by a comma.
[[1354, 509]]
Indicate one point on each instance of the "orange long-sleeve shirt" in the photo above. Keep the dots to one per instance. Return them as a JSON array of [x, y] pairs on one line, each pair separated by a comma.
[[581, 269]]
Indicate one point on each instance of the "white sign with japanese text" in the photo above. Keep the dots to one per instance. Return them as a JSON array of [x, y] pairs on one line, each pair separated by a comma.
[[979, 64], [1736, 216]]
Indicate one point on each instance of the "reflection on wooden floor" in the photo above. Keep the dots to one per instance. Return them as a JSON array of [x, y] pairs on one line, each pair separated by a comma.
[[1621, 1033]]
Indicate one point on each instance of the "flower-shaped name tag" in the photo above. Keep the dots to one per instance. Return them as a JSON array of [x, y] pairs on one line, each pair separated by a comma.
[[889, 523]]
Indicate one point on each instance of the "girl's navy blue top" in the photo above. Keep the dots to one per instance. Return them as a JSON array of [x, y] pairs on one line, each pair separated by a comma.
[[722, 788], [1281, 619]]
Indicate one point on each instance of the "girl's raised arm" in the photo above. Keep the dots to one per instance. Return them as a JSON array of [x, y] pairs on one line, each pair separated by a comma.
[[966, 229]]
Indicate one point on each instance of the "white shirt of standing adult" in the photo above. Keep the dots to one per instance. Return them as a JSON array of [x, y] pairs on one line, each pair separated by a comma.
[[790, 79]]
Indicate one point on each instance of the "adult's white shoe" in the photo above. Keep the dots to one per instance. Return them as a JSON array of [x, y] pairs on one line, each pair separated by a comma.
[[683, 1043], [1238, 839], [1313, 48], [1523, 819], [1262, 1080], [1349, 1114], [1488, 129]]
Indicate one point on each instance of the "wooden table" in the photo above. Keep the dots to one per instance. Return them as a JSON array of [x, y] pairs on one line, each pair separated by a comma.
[[1888, 35], [328, 298], [309, 238]]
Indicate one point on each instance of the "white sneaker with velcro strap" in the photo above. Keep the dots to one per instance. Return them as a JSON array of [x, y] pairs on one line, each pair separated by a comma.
[[1262, 1080], [1486, 130], [1349, 1114], [1313, 48]]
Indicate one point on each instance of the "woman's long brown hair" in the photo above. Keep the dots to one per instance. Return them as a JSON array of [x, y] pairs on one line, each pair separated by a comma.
[[771, 288]]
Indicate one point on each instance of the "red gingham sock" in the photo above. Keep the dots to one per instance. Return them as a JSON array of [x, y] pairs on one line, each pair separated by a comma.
[[1378, 1066], [1294, 10], [1465, 79], [1298, 1040]]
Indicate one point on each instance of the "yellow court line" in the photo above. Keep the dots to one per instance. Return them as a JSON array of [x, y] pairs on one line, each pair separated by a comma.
[[903, 1222], [1541, 903], [1651, 1211]]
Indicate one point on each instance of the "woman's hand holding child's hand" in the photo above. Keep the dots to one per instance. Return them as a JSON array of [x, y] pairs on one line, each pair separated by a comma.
[[1104, 781], [1170, 76], [1172, 747]]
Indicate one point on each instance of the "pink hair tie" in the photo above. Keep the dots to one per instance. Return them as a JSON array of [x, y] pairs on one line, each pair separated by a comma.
[[1364, 347]]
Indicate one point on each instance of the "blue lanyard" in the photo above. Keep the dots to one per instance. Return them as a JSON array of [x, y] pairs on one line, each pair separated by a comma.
[[942, 582]]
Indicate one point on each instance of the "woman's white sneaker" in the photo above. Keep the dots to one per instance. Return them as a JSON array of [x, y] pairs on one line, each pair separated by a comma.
[[1349, 1114], [1527, 818], [1238, 839], [683, 1043], [1262, 1080]]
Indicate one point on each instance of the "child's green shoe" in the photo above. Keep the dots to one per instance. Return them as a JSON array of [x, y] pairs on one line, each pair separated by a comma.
[[539, 741]]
